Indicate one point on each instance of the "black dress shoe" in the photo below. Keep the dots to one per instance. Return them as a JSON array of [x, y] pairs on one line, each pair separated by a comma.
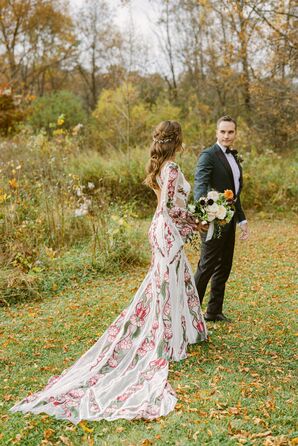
[[216, 317]]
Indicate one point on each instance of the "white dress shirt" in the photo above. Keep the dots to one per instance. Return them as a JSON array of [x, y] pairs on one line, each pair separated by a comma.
[[235, 170]]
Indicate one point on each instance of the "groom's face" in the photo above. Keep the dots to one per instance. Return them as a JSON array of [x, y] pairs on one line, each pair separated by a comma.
[[226, 133]]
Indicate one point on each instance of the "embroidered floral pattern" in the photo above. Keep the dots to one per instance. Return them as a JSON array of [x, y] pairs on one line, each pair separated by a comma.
[[124, 374], [138, 318], [169, 238], [171, 184]]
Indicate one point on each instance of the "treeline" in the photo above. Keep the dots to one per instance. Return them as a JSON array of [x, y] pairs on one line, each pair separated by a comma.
[[232, 56]]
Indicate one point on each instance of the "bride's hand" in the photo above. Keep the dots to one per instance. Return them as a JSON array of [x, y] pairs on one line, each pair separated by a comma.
[[202, 226]]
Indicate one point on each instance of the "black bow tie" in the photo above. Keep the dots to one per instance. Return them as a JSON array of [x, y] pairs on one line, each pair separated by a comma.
[[232, 151]]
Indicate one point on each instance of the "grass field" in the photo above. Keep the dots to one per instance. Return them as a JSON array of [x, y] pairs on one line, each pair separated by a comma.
[[237, 389]]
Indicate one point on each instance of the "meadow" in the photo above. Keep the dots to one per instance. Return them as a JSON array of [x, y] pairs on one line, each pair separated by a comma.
[[239, 388], [66, 210], [73, 231]]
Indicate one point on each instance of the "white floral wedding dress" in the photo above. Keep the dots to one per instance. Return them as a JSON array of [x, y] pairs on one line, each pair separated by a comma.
[[124, 374]]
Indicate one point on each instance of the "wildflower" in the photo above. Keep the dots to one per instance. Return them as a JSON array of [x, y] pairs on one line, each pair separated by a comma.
[[79, 192], [13, 183], [77, 129], [60, 120], [81, 212], [83, 209], [3, 197]]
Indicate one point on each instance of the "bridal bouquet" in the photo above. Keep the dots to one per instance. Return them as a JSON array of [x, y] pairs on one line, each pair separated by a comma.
[[217, 209]]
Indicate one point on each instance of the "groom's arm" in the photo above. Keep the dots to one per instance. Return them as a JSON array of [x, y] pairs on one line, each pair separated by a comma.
[[203, 175], [240, 215]]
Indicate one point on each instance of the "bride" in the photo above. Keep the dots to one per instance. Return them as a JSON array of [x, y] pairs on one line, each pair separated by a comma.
[[124, 374]]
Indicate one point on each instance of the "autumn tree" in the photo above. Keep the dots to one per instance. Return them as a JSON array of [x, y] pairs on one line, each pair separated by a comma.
[[37, 40], [165, 32], [99, 46], [280, 18]]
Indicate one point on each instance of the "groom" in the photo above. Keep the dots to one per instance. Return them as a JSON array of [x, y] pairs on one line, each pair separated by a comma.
[[218, 168]]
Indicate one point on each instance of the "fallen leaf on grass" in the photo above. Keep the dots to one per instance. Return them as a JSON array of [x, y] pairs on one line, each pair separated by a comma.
[[261, 434], [17, 439], [276, 441], [178, 406], [85, 428], [89, 440], [234, 410], [65, 440], [195, 435], [48, 433]]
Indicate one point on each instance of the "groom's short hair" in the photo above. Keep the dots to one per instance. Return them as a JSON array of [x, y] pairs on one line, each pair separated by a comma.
[[226, 118]]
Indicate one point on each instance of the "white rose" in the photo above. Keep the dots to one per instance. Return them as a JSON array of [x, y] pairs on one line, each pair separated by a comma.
[[213, 209], [211, 217], [221, 213], [213, 195], [191, 208]]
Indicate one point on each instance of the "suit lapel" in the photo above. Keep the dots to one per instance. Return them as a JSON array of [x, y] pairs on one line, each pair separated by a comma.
[[225, 162]]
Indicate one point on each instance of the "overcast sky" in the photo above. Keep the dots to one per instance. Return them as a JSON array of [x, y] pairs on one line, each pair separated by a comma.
[[141, 10], [143, 15]]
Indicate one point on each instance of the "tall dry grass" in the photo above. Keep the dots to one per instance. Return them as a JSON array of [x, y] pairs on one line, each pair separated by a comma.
[[58, 200]]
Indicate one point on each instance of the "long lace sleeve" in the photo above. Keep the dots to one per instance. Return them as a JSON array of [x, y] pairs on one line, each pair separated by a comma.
[[176, 207]]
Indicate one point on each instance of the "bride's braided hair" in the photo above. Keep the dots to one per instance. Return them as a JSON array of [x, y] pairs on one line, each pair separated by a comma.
[[167, 138]]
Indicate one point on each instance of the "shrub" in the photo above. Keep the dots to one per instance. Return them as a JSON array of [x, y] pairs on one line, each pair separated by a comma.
[[39, 222], [112, 241], [122, 119], [117, 176], [47, 110], [11, 112]]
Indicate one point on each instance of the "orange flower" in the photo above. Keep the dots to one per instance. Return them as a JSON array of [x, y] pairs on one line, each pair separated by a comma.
[[228, 194]]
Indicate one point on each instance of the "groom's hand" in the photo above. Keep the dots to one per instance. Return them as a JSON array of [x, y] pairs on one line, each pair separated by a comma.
[[244, 231]]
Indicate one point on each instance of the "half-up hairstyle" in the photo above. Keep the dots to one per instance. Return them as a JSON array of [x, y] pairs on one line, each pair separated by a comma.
[[167, 139]]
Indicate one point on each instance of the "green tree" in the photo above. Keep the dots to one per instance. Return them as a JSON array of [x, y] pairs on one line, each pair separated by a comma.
[[47, 109]]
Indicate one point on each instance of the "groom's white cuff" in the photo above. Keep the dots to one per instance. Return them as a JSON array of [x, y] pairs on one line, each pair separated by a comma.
[[242, 222]]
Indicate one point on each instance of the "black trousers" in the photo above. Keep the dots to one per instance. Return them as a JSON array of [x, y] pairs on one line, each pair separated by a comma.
[[215, 263]]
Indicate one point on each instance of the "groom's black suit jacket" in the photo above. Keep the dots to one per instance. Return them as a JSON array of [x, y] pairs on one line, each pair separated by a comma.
[[214, 172]]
